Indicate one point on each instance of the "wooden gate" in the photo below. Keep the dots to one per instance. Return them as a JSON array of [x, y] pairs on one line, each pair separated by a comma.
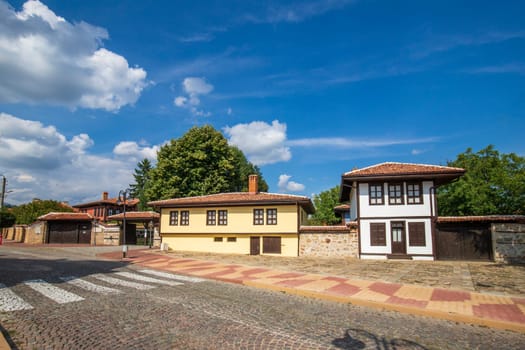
[[69, 232], [463, 241]]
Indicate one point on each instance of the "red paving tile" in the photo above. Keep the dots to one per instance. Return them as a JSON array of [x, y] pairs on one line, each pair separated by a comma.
[[510, 313], [408, 302], [292, 283], [449, 295], [248, 273], [343, 289], [336, 279], [384, 288]]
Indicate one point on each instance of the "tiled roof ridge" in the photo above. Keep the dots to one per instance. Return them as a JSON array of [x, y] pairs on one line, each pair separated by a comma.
[[402, 163], [234, 193]]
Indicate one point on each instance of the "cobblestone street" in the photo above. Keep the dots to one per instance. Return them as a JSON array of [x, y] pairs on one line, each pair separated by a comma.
[[204, 315]]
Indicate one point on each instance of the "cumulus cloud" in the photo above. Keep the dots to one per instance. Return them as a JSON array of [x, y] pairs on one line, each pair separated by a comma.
[[133, 149], [193, 87], [41, 162], [46, 59], [285, 184], [261, 142]]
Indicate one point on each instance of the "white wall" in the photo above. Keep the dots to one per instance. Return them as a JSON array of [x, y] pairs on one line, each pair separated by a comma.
[[386, 210]]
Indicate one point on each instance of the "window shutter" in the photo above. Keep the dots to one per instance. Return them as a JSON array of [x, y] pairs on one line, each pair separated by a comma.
[[378, 234], [416, 234]]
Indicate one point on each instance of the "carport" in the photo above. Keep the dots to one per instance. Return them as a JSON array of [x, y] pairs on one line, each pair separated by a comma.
[[147, 219]]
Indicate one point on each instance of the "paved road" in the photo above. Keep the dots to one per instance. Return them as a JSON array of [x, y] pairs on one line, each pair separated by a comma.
[[51, 299]]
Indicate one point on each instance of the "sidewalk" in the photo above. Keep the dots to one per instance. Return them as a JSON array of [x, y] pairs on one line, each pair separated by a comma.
[[504, 312]]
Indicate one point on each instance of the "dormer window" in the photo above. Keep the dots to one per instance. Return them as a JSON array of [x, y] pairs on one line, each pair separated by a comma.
[[375, 194]]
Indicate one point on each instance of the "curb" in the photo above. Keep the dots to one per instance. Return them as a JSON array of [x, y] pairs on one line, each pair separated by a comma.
[[392, 307]]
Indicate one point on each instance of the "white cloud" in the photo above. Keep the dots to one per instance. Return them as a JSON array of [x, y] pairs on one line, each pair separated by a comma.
[[197, 86], [180, 101], [46, 59], [341, 142], [193, 87], [261, 142], [229, 111], [40, 162], [133, 149], [285, 184]]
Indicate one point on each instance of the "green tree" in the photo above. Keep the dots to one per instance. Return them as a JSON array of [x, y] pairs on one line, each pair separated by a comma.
[[200, 162], [138, 189], [324, 203], [7, 219], [494, 183], [29, 212], [246, 169]]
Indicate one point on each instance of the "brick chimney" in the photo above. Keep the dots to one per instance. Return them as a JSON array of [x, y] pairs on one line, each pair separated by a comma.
[[253, 184], [104, 196]]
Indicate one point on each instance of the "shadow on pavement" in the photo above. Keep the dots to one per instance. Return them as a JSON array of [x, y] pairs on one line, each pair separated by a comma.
[[356, 339]]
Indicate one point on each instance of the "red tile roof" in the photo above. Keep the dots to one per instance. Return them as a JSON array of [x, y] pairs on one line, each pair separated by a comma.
[[237, 199], [482, 218], [342, 207], [391, 168], [136, 215], [112, 201], [66, 217]]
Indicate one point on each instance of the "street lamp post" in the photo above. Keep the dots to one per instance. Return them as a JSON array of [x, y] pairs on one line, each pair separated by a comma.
[[122, 198], [152, 233]]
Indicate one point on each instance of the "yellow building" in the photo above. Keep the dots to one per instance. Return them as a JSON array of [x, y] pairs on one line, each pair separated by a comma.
[[237, 223]]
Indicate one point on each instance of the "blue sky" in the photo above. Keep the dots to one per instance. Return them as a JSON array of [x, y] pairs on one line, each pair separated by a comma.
[[307, 89]]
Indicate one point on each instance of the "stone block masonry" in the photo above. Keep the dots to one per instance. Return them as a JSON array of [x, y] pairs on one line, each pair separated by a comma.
[[508, 242], [329, 241]]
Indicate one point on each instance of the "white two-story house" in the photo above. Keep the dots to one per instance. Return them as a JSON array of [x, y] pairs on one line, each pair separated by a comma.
[[395, 207]]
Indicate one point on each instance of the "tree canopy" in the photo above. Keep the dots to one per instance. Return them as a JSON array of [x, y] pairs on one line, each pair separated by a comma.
[[138, 189], [494, 184], [29, 212], [200, 162], [7, 219], [324, 203]]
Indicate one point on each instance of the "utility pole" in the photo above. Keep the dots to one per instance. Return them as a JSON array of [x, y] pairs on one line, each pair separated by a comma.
[[4, 180]]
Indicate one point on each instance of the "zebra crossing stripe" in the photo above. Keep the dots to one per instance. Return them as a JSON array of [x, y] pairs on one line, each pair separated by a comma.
[[54, 293], [119, 282], [9, 301], [172, 276], [92, 287], [147, 279]]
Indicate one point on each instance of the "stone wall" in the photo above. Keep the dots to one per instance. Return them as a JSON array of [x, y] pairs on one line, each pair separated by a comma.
[[36, 233], [329, 241], [508, 242]]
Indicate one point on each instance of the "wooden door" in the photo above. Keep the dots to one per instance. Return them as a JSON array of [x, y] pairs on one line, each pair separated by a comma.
[[84, 233], [255, 245], [397, 229]]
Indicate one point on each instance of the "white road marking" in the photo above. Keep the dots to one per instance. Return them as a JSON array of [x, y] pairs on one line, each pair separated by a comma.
[[54, 293], [92, 287], [120, 282], [9, 301], [172, 276], [137, 277]]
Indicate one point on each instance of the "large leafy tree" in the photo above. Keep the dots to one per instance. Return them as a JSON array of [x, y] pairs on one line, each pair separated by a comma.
[[141, 175], [200, 162], [29, 212], [245, 169], [7, 219], [494, 183], [324, 203]]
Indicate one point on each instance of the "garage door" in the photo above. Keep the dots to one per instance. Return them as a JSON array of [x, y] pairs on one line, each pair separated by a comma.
[[463, 242], [69, 232]]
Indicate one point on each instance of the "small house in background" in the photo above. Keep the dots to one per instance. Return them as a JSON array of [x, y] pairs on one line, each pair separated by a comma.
[[343, 211], [105, 207], [395, 207], [250, 222]]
